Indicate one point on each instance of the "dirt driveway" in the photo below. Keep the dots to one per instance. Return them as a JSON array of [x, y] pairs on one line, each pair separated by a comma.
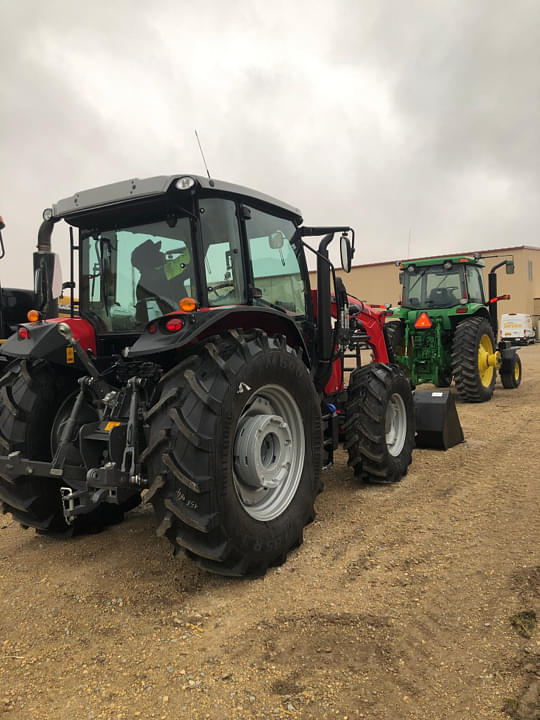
[[397, 605]]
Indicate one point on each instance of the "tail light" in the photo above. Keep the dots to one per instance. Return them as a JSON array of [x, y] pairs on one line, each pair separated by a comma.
[[23, 333], [174, 325]]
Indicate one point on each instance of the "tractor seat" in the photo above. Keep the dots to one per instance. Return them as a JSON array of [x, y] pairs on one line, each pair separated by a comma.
[[442, 297]]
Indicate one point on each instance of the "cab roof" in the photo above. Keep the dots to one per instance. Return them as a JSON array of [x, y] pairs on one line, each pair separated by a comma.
[[454, 259], [127, 191]]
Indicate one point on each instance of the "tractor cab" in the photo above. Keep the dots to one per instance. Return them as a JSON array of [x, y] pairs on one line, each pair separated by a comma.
[[167, 245], [435, 284]]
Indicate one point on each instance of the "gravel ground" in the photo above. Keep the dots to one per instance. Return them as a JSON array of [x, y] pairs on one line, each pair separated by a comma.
[[411, 601]]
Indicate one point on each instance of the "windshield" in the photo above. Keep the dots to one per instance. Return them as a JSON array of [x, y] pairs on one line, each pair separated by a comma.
[[433, 287], [131, 275]]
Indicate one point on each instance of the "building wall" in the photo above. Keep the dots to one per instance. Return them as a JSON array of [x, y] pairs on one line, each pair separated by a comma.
[[379, 283]]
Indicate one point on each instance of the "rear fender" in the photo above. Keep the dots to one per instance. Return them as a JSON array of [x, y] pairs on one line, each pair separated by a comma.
[[45, 342], [198, 325]]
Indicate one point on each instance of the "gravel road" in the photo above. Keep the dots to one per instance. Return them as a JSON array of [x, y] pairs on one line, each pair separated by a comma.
[[412, 601]]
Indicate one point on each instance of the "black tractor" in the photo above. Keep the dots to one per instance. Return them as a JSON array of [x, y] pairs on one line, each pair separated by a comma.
[[16, 302], [200, 371]]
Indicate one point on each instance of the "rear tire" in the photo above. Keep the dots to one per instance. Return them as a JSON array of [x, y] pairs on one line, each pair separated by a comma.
[[234, 452], [379, 424], [31, 396], [512, 378], [473, 343], [394, 339]]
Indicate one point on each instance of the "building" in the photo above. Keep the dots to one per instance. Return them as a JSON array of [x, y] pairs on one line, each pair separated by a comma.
[[378, 283]]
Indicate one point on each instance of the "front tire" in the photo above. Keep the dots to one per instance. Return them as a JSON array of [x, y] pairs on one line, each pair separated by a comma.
[[234, 452], [379, 424], [473, 361]]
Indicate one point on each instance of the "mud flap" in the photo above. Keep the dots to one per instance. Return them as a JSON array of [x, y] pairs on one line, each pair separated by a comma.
[[437, 421]]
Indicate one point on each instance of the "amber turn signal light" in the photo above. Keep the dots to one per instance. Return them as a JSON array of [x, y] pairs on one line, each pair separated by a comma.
[[33, 316], [187, 304]]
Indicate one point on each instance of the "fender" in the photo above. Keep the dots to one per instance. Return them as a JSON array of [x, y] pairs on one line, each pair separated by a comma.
[[45, 342], [156, 338]]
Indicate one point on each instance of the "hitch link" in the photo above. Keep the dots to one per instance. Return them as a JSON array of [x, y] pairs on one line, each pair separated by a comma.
[[68, 432], [129, 460]]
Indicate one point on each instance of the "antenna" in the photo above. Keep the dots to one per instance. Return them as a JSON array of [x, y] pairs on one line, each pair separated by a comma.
[[204, 160]]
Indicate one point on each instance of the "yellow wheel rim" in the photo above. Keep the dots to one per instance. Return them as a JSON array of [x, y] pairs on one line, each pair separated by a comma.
[[516, 371], [486, 361]]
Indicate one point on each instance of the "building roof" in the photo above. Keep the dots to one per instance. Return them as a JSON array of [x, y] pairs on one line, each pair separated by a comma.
[[482, 253]]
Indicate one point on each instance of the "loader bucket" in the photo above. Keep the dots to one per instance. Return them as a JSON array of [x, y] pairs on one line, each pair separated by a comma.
[[437, 421]]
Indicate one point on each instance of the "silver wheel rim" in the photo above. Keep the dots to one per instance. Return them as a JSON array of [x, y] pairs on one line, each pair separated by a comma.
[[269, 453], [395, 425]]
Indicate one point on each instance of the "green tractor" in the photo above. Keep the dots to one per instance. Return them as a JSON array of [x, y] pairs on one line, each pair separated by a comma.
[[445, 328]]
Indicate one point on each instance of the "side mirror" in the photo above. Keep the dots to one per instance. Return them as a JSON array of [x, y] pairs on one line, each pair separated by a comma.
[[401, 275], [56, 285], [510, 267], [346, 253], [276, 240]]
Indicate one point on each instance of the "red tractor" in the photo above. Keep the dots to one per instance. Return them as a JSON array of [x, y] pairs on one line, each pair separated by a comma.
[[201, 370]]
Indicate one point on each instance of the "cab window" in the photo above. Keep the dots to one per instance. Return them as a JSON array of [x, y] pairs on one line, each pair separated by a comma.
[[222, 252], [475, 284], [276, 271]]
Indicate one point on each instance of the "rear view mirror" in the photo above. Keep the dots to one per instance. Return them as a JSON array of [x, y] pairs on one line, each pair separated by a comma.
[[510, 267], [346, 253], [276, 240], [56, 285]]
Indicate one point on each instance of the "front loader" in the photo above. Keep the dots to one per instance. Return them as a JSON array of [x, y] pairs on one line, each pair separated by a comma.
[[201, 371]]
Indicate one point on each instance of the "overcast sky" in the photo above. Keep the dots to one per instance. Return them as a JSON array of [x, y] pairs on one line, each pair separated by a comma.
[[415, 119]]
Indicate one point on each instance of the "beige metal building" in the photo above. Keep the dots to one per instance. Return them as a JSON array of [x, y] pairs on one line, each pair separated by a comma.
[[378, 283]]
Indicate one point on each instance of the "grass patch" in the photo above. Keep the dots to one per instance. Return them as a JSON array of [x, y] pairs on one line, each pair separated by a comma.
[[524, 623]]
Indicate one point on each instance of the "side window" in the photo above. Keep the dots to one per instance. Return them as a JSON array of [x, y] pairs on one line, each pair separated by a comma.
[[474, 284], [223, 265], [276, 271]]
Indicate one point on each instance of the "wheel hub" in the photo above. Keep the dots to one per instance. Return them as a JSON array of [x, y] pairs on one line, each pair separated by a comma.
[[395, 425], [263, 451], [269, 452]]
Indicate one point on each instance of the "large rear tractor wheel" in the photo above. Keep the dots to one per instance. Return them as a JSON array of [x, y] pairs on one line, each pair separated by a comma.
[[234, 452], [511, 377], [394, 339], [34, 403], [474, 360], [379, 424]]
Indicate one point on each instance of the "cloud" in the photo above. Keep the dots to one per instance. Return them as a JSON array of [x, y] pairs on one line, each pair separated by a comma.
[[393, 117]]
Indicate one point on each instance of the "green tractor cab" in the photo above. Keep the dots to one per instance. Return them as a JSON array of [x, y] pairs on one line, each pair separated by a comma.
[[445, 327]]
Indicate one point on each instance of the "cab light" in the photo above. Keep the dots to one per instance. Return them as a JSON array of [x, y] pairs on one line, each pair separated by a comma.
[[422, 321], [174, 325], [33, 316], [152, 328], [187, 304], [23, 333], [185, 183]]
